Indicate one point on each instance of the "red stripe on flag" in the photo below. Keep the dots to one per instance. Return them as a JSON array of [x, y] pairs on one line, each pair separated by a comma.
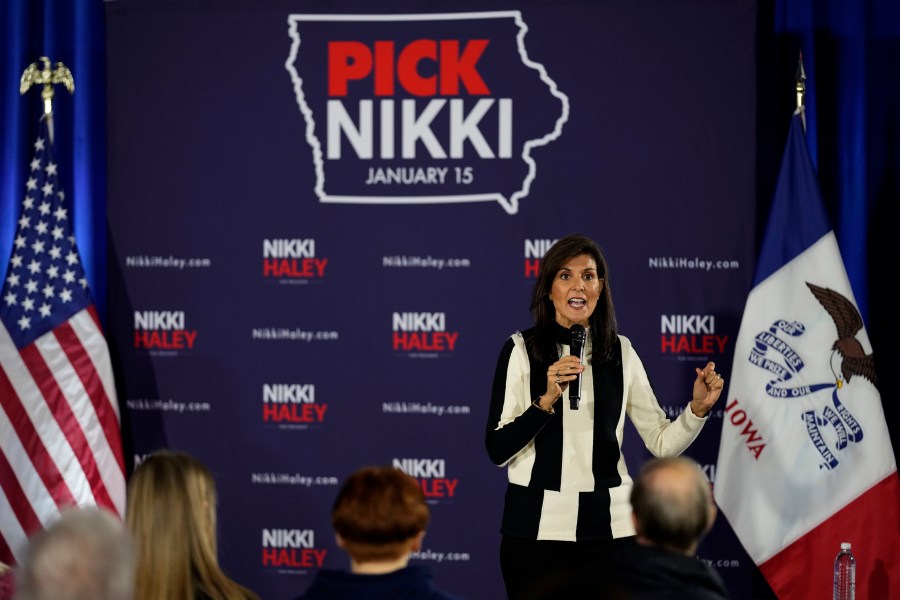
[[28, 519], [90, 379], [70, 426], [92, 310], [6, 554], [871, 524], [34, 447]]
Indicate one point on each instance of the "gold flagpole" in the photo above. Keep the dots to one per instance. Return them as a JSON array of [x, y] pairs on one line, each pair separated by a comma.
[[801, 90]]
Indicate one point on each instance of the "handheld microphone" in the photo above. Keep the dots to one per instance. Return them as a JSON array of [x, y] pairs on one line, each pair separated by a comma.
[[577, 349]]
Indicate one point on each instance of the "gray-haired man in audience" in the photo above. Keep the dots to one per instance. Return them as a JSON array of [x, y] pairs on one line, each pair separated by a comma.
[[86, 554], [673, 509]]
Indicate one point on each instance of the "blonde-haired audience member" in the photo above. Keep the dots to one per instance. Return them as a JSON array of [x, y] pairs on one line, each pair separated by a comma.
[[86, 554], [171, 512], [379, 518]]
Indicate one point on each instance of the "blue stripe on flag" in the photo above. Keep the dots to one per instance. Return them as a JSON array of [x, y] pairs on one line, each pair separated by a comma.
[[797, 218]]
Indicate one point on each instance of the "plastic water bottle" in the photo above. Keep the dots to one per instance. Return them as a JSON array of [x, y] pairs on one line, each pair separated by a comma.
[[845, 574]]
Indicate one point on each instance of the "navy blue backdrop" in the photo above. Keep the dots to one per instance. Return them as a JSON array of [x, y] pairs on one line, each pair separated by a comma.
[[329, 315], [286, 321]]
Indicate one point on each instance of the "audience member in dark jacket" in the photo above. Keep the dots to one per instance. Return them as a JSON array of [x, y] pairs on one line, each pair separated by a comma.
[[672, 510], [379, 518]]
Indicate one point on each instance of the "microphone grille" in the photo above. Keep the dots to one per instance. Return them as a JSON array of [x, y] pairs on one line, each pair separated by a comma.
[[578, 334]]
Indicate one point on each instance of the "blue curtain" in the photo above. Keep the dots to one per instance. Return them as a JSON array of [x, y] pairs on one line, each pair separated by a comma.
[[71, 32], [842, 45], [851, 54]]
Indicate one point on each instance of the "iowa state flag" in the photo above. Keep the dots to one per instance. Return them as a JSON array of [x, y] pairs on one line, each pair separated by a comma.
[[60, 437], [805, 460]]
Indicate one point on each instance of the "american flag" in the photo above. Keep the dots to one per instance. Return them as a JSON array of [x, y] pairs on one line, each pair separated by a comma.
[[60, 437]]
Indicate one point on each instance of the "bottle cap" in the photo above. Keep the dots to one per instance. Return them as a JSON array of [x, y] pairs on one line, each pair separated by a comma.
[[845, 545]]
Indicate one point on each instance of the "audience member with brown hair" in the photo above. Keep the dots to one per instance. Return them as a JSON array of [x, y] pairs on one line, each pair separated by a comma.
[[86, 554], [171, 511], [379, 518]]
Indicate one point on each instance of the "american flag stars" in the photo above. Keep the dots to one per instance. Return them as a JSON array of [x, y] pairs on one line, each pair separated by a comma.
[[45, 283]]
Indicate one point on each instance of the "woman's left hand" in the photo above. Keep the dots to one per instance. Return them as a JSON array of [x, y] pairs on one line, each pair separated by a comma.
[[707, 388]]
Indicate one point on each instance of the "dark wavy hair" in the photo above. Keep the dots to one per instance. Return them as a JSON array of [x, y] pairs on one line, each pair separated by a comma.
[[604, 332]]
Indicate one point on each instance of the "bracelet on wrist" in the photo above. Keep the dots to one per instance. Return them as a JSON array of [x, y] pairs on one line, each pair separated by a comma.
[[537, 404]]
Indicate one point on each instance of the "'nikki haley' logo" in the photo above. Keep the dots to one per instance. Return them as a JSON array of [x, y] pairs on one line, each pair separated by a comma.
[[292, 260], [690, 334], [292, 403], [431, 473], [534, 252], [437, 108], [162, 330], [291, 548], [422, 332]]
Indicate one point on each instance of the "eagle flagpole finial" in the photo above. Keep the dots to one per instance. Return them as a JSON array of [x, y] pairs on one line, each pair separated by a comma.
[[37, 75]]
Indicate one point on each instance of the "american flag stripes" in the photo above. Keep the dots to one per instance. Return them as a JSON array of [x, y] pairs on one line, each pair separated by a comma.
[[60, 436]]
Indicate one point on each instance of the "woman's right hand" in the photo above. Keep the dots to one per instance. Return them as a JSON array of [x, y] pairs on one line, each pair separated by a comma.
[[560, 373]]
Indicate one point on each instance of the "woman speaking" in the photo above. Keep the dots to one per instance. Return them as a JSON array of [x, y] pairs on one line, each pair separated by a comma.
[[566, 508]]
